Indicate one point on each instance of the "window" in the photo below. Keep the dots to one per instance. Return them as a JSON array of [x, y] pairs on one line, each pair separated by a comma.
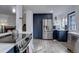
[[71, 21]]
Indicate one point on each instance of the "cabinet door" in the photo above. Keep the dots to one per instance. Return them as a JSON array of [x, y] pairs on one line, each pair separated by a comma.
[[72, 41], [69, 42], [77, 46], [11, 50], [62, 36]]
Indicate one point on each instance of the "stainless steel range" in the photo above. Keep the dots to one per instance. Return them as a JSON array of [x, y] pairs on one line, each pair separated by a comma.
[[22, 42]]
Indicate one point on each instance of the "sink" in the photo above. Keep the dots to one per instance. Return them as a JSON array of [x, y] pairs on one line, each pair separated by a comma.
[[7, 39]]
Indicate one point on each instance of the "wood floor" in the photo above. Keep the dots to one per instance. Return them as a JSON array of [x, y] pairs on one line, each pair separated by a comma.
[[49, 46]]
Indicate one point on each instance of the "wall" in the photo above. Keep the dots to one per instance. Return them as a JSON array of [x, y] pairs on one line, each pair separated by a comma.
[[8, 19], [76, 9], [29, 27], [29, 21], [64, 14], [77, 18], [19, 18], [24, 19]]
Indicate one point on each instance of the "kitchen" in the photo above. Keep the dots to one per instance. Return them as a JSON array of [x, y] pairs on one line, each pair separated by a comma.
[[13, 37], [63, 37], [34, 29]]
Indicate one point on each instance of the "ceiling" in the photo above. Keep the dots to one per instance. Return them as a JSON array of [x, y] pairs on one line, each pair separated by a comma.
[[6, 9], [56, 9]]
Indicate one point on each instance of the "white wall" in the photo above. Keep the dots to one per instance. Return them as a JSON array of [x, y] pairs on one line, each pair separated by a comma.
[[67, 11], [19, 18], [29, 21], [24, 19], [8, 19], [29, 27], [77, 18], [76, 9]]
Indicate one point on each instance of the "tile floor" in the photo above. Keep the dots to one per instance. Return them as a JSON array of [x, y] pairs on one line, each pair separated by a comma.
[[49, 46]]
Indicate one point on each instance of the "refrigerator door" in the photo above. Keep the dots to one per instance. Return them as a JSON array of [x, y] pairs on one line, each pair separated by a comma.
[[49, 25], [47, 28]]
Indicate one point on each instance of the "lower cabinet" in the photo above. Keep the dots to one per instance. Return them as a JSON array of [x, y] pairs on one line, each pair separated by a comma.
[[11, 50], [27, 50], [55, 32], [60, 35], [72, 43], [16, 50], [77, 46]]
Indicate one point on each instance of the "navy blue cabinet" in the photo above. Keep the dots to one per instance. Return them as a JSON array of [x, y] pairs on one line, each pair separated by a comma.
[[55, 33], [11, 50], [60, 35]]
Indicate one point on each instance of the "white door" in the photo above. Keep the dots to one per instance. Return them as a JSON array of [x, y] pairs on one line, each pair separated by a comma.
[[47, 29]]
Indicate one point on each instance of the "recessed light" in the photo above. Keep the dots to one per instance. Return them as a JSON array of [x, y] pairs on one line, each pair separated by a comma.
[[13, 10], [51, 11]]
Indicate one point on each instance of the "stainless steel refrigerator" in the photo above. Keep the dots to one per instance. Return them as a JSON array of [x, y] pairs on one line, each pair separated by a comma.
[[47, 29]]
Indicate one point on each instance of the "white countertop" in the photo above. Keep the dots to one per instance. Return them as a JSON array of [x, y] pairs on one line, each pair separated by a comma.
[[75, 33], [60, 30], [3, 34], [5, 47]]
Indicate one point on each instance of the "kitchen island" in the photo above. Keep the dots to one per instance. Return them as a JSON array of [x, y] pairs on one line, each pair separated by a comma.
[[60, 35], [7, 44], [5, 47], [73, 42]]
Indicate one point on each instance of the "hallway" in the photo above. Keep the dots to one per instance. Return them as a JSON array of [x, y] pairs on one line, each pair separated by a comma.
[[49, 46]]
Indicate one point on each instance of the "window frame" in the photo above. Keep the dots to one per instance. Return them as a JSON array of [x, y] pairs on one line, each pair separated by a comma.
[[68, 21]]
